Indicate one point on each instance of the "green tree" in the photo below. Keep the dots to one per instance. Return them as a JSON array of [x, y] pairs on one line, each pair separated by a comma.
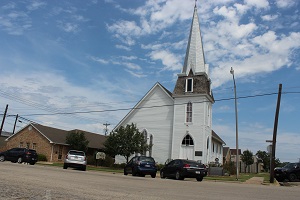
[[77, 141], [125, 142], [265, 158], [247, 158]]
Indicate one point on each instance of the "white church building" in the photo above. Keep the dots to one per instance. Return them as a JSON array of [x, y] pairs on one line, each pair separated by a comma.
[[178, 124]]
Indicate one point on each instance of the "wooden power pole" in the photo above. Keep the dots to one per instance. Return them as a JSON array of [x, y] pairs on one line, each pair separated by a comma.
[[3, 119]]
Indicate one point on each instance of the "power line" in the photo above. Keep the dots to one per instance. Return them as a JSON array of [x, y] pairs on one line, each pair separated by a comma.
[[157, 106]]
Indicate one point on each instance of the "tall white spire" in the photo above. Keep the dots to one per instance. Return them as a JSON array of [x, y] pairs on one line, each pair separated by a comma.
[[194, 58]]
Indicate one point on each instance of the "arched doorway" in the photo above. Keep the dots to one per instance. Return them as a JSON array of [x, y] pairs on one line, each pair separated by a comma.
[[187, 148]]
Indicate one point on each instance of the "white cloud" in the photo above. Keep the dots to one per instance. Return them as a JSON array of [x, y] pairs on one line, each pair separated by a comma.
[[258, 3], [285, 3], [15, 22], [269, 17], [34, 5], [168, 59], [68, 27], [99, 60]]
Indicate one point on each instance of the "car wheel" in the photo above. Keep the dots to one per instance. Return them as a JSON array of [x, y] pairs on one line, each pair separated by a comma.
[[178, 176], [134, 173], [2, 158], [162, 174], [20, 160], [153, 175], [32, 163], [292, 177], [125, 172], [199, 178], [83, 168], [65, 166]]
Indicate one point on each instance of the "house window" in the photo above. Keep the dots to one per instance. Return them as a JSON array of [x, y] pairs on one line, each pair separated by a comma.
[[189, 112], [60, 152], [207, 143], [213, 147], [187, 140], [27, 145], [145, 138], [34, 146], [189, 85], [21, 144]]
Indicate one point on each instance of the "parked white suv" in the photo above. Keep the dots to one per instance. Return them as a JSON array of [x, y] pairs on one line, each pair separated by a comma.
[[75, 159]]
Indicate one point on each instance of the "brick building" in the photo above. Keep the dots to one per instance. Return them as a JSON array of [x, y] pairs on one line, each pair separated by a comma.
[[51, 142]]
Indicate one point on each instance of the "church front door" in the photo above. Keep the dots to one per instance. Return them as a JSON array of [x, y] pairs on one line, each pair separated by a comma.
[[186, 152]]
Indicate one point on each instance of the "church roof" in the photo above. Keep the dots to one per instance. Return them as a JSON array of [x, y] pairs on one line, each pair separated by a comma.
[[194, 58]]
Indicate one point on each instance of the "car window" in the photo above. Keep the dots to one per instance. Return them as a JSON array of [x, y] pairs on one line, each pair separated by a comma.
[[171, 163], [192, 163], [32, 151], [177, 162], [78, 153], [146, 159]]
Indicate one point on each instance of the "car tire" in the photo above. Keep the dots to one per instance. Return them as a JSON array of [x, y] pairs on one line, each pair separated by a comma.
[[199, 178], [65, 166], [178, 176], [162, 174], [32, 163], [20, 160], [134, 173], [292, 177], [153, 175], [83, 168], [2, 158]]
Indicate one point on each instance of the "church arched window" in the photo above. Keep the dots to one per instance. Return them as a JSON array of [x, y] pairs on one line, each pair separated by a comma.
[[189, 112], [187, 140]]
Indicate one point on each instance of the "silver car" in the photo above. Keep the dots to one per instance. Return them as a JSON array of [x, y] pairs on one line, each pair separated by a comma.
[[75, 159]]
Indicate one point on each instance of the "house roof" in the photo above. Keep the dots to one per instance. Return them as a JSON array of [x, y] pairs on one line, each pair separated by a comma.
[[216, 137], [225, 151], [58, 136], [233, 151]]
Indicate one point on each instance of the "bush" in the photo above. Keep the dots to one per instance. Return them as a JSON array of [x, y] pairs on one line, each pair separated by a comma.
[[42, 157]]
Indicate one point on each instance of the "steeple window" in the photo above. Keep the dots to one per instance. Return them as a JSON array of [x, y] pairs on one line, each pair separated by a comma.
[[189, 85]]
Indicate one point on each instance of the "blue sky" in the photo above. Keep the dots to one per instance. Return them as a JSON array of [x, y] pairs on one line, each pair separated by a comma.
[[102, 56]]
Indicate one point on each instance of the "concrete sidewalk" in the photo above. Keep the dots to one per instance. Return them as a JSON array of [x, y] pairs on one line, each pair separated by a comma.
[[255, 180]]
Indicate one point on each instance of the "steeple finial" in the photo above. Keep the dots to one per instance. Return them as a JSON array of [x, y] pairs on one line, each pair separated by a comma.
[[195, 3]]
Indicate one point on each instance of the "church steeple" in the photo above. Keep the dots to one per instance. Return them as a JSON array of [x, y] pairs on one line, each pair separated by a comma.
[[194, 58], [194, 78]]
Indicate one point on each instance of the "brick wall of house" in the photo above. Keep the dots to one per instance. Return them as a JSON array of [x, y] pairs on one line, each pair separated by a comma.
[[38, 142]]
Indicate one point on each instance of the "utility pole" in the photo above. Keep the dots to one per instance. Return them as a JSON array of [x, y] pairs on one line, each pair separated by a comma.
[[275, 135], [106, 129], [15, 123], [4, 115]]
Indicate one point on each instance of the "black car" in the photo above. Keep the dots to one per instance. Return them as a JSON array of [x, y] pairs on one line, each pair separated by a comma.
[[290, 171], [141, 166], [19, 155], [181, 168]]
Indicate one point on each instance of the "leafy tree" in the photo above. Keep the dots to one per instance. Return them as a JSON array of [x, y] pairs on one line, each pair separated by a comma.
[[265, 158], [77, 140], [247, 158], [125, 142]]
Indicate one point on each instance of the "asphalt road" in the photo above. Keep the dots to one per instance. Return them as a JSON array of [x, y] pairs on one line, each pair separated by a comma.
[[19, 181]]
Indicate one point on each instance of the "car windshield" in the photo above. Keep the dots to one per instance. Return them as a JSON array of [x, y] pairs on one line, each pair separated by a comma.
[[290, 165], [78, 153], [32, 151], [146, 159], [192, 163]]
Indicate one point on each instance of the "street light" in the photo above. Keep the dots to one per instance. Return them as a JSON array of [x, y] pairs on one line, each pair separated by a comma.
[[236, 127]]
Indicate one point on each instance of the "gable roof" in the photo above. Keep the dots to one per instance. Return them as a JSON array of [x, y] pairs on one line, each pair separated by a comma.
[[233, 152], [157, 84], [216, 137], [58, 136]]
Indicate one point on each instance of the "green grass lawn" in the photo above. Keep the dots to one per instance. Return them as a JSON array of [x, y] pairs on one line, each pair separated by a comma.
[[242, 176]]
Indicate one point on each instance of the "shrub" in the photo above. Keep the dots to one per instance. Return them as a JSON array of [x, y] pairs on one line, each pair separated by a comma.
[[42, 157]]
